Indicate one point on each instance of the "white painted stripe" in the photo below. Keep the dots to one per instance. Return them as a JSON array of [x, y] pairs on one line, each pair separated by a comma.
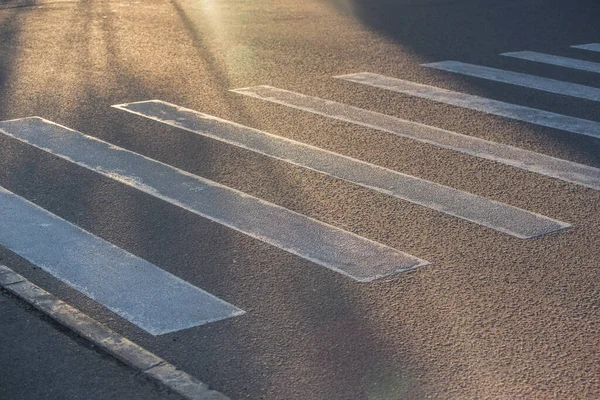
[[331, 247], [589, 47], [138, 291], [489, 213], [508, 110], [555, 60], [519, 79], [501, 153]]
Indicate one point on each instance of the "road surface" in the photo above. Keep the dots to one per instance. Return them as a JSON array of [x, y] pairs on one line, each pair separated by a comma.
[[294, 222]]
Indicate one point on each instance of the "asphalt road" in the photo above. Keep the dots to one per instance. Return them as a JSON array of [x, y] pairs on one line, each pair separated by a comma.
[[493, 316], [41, 360]]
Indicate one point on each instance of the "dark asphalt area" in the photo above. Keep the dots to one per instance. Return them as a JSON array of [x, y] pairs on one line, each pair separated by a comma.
[[41, 360], [493, 316]]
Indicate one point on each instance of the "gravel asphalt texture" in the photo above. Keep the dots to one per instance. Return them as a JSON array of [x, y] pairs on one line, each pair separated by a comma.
[[492, 317]]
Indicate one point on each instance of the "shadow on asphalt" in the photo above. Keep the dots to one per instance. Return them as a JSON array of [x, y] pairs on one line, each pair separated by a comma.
[[329, 326], [476, 32], [465, 29]]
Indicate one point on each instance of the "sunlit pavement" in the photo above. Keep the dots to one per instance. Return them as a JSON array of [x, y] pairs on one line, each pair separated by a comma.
[[337, 278]]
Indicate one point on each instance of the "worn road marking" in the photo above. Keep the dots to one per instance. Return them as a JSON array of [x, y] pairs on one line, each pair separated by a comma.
[[114, 344], [486, 212], [555, 60], [494, 107], [501, 153], [589, 47], [519, 79], [349, 254], [140, 292]]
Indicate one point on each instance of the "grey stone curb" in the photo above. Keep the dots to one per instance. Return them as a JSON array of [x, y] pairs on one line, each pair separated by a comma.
[[111, 342]]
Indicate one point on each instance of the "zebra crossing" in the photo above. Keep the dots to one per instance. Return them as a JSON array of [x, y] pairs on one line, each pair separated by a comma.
[[326, 245], [513, 111], [567, 62], [156, 300], [500, 217], [519, 79], [159, 302], [497, 152]]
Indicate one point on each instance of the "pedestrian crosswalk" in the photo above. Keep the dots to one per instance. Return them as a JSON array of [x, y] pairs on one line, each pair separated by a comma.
[[492, 214], [514, 111], [326, 245], [497, 152], [567, 62], [160, 302], [519, 79], [138, 291]]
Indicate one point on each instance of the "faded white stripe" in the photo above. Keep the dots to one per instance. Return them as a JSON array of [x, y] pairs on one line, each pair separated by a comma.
[[494, 107], [519, 79], [555, 60], [331, 247], [138, 291], [589, 47], [486, 212], [501, 153]]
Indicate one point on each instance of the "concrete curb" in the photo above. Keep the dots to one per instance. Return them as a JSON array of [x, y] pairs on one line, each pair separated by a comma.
[[111, 342]]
